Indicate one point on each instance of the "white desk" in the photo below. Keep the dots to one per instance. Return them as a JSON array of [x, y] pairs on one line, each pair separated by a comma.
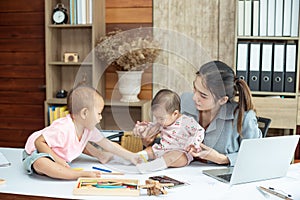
[[200, 186]]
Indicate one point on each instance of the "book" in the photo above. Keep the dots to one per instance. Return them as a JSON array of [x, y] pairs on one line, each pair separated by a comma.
[[167, 179]]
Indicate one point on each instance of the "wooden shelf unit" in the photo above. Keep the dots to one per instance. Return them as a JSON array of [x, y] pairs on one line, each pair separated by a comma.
[[281, 107], [81, 38], [76, 38]]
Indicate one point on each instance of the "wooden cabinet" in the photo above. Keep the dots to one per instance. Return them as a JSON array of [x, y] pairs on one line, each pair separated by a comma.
[[281, 105]]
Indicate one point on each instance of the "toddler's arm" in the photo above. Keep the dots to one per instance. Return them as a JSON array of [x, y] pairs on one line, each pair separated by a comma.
[[118, 150], [42, 147]]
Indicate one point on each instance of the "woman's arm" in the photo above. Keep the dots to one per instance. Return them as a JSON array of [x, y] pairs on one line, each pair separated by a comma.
[[208, 153]]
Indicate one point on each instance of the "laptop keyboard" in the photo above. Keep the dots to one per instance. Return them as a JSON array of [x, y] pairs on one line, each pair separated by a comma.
[[226, 177]]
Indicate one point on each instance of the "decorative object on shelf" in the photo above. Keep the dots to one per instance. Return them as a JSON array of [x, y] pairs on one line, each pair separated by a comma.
[[130, 51], [129, 83], [61, 94], [60, 15], [71, 57]]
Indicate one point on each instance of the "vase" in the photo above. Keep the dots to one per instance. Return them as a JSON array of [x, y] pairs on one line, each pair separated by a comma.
[[129, 84]]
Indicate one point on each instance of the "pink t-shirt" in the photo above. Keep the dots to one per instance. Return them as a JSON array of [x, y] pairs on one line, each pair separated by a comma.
[[62, 139]]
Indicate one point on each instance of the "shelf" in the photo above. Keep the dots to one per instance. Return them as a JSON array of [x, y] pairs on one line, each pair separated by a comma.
[[70, 26], [264, 93], [69, 63], [110, 102], [281, 107], [268, 38], [61, 101], [71, 38]]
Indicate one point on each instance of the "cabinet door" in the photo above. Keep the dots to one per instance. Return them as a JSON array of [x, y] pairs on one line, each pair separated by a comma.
[[283, 112]]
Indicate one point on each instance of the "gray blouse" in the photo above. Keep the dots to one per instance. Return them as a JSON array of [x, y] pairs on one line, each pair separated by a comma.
[[222, 134]]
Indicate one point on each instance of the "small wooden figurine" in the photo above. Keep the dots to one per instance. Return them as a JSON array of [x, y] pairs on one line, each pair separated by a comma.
[[155, 187]]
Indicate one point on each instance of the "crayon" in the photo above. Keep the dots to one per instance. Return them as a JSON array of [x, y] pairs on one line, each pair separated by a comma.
[[101, 169]]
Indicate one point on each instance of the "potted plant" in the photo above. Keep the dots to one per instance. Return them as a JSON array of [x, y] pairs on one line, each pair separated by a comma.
[[131, 52]]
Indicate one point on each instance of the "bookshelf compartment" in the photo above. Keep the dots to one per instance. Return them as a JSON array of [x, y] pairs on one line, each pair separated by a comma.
[[254, 24]]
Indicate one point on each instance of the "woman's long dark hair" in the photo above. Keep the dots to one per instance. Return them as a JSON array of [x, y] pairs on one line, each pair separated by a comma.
[[221, 81]]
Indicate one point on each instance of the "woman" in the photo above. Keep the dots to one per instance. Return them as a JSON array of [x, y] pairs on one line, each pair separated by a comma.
[[227, 120]]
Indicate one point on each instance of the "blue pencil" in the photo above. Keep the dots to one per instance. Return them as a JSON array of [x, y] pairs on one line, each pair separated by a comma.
[[101, 169]]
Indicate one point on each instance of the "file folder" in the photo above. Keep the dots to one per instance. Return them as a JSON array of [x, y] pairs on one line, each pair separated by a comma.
[[295, 18], [290, 68], [271, 18], [241, 20], [266, 67], [254, 65], [242, 61], [263, 17], [278, 17], [248, 17], [255, 18], [278, 68], [287, 17]]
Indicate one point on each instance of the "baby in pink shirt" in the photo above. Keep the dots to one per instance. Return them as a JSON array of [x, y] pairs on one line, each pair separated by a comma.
[[48, 151], [177, 132]]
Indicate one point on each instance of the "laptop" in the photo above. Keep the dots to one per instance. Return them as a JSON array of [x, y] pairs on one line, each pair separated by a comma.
[[259, 159]]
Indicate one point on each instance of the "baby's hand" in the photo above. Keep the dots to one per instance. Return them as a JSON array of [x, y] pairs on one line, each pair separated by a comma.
[[136, 159], [140, 128]]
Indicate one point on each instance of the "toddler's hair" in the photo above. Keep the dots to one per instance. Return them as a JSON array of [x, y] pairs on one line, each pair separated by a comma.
[[168, 99], [81, 96]]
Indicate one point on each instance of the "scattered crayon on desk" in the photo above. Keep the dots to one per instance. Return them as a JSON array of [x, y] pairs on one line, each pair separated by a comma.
[[107, 171], [77, 169], [101, 169]]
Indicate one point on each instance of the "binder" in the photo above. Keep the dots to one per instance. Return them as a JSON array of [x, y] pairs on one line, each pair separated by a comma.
[[263, 17], [248, 18], [79, 12], [242, 61], [278, 17], [266, 67], [255, 18], [278, 68], [254, 65], [290, 68], [295, 18], [241, 20], [287, 17], [271, 18]]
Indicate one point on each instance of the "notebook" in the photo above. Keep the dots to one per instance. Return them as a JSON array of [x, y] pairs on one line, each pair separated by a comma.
[[259, 159]]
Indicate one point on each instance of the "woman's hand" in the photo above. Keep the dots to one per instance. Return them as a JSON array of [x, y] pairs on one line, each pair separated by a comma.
[[207, 153]]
